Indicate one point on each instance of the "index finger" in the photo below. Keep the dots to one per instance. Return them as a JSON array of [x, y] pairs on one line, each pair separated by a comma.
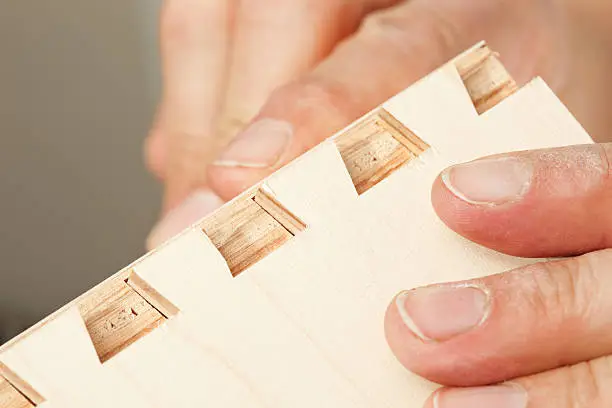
[[195, 37], [393, 48]]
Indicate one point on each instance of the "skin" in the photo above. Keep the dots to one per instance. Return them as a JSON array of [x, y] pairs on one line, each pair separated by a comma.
[[548, 329], [228, 65]]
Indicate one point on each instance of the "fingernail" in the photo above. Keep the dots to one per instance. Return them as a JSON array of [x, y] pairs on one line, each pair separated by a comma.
[[196, 206], [439, 313], [261, 145], [491, 181], [498, 396]]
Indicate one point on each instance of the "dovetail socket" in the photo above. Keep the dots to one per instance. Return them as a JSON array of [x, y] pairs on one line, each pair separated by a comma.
[[151, 296], [485, 78], [250, 228], [117, 316], [375, 147]]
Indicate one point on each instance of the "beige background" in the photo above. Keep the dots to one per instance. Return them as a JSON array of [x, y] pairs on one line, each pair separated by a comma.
[[78, 86]]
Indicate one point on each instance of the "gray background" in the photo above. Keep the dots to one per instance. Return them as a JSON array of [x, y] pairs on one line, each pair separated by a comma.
[[78, 88]]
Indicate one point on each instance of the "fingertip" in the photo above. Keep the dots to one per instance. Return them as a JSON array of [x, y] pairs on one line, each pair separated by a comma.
[[154, 152], [397, 334], [465, 219], [411, 334], [503, 226], [410, 350], [229, 181], [196, 206], [538, 203]]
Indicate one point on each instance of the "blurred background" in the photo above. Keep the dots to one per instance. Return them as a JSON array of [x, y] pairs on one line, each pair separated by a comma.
[[79, 81]]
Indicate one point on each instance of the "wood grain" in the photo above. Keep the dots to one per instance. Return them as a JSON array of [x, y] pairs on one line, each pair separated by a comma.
[[152, 297], [485, 78], [244, 233], [270, 204], [116, 316], [375, 147], [10, 397]]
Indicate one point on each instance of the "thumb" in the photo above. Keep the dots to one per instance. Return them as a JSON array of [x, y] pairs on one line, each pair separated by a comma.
[[552, 202], [393, 48]]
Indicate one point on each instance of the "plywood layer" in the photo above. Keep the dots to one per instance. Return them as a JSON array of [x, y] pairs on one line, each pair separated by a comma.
[[10, 397]]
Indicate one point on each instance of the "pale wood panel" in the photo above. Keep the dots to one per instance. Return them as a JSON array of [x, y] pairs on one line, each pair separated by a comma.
[[60, 362]]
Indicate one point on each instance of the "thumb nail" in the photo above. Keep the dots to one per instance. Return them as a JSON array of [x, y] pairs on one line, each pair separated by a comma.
[[490, 181], [195, 207]]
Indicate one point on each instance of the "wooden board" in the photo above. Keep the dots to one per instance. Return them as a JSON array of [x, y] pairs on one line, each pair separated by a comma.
[[277, 299], [10, 397]]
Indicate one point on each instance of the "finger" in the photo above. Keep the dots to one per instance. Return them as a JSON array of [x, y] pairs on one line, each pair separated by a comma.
[[585, 385], [393, 48], [541, 203], [194, 45], [197, 206], [501, 327], [276, 41]]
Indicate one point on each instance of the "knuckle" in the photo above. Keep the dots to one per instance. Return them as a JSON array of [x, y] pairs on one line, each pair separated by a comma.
[[384, 20], [564, 290], [230, 124], [311, 99], [405, 31]]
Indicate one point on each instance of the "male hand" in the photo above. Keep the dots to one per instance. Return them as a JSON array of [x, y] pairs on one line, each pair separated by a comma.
[[334, 60], [543, 333]]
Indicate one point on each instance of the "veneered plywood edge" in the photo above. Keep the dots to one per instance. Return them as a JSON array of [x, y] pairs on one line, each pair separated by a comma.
[[152, 296], [485, 78], [266, 200], [244, 233], [60, 362], [10, 397], [375, 147], [116, 316], [20, 386]]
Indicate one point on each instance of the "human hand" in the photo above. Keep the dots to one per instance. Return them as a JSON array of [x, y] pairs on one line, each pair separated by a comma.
[[221, 59], [275, 42], [545, 328]]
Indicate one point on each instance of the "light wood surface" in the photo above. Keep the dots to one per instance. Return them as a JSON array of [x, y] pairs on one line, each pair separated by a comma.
[[277, 299], [10, 397], [485, 78]]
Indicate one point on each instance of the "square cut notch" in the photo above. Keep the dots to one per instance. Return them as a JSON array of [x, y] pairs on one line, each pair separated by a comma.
[[249, 228], [120, 311], [485, 78], [375, 147]]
